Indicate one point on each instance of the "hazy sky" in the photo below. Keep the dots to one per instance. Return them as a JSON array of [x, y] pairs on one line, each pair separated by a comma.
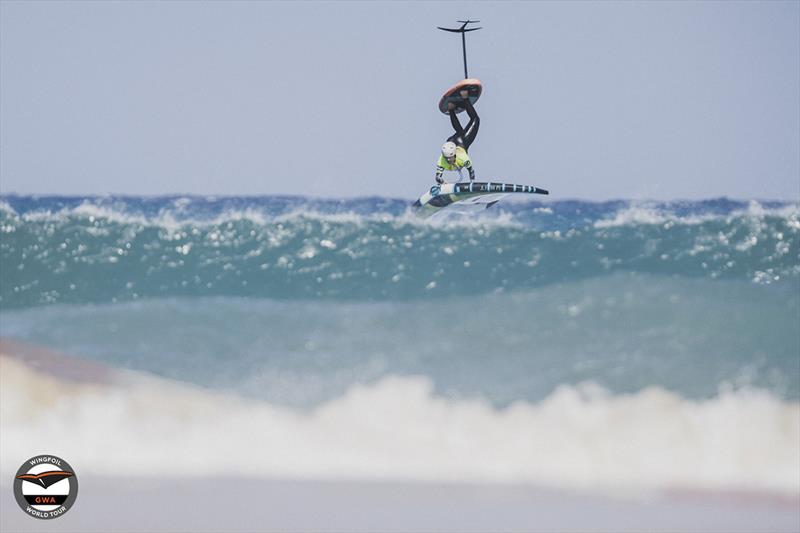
[[588, 99]]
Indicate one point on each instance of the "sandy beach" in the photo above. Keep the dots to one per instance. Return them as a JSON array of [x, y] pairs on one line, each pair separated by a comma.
[[220, 504]]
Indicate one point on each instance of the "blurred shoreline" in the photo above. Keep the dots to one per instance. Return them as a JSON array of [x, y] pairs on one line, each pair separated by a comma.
[[236, 504]]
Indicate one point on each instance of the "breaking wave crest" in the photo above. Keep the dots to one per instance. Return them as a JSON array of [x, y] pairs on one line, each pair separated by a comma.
[[398, 429], [106, 250]]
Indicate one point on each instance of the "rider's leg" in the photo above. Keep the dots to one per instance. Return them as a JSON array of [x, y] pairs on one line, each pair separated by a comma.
[[456, 124], [472, 127]]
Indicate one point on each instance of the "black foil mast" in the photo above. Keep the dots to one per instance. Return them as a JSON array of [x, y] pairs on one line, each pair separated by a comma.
[[463, 30]]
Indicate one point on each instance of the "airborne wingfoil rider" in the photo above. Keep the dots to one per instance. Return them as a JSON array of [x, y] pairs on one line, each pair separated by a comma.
[[454, 151]]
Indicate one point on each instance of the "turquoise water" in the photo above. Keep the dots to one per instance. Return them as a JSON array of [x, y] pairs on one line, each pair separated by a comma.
[[293, 300]]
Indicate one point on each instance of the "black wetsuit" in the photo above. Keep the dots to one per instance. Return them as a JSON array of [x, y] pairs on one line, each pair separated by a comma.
[[464, 136]]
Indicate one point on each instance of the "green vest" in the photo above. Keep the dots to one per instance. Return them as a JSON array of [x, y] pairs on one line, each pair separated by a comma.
[[462, 160]]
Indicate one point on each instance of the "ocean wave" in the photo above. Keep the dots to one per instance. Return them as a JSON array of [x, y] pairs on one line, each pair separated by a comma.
[[195, 210], [624, 332], [100, 250], [172, 218], [398, 429]]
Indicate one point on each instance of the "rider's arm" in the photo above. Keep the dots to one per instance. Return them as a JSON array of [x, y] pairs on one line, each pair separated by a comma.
[[468, 166], [440, 169], [464, 161]]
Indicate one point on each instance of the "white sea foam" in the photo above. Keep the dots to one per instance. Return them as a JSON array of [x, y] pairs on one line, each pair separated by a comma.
[[406, 218], [90, 210], [167, 218], [653, 214], [6, 207], [174, 217], [398, 429]]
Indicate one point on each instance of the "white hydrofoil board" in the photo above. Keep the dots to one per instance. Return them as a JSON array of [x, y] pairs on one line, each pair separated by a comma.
[[469, 196]]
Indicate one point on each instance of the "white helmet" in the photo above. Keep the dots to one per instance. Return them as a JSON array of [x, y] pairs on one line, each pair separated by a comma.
[[449, 149]]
